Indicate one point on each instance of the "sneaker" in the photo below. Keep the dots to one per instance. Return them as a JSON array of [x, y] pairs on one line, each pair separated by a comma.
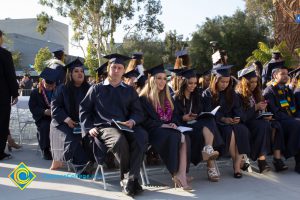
[[279, 165]]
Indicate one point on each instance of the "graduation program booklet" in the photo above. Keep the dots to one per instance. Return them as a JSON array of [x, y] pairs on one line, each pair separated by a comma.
[[182, 129], [264, 114], [211, 113], [122, 127]]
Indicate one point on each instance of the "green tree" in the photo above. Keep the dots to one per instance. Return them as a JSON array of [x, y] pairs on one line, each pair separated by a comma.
[[152, 49], [237, 34], [97, 20], [41, 57], [172, 42], [91, 60], [43, 20], [264, 54], [263, 11], [16, 56]]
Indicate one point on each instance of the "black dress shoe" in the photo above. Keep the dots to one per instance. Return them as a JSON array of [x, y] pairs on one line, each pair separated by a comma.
[[128, 187], [46, 154], [263, 166], [279, 165], [5, 156], [138, 188]]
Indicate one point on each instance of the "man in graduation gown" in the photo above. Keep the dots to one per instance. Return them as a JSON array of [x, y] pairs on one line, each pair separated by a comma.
[[115, 100], [9, 95], [281, 102], [39, 105], [272, 64]]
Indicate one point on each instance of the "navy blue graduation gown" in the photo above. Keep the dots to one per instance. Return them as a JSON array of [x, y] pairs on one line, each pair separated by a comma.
[[165, 141], [261, 132], [297, 101], [104, 103], [37, 107], [65, 145], [290, 125], [196, 136], [241, 132]]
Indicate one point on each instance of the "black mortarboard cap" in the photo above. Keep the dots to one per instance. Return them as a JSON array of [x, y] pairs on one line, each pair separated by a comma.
[[222, 70], [103, 68], [189, 73], [178, 71], [132, 73], [116, 58], [49, 75], [181, 53], [155, 70], [137, 55], [58, 52], [276, 54], [74, 63], [248, 72]]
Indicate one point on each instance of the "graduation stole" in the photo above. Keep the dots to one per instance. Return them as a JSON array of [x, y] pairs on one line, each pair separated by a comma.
[[43, 92], [286, 99]]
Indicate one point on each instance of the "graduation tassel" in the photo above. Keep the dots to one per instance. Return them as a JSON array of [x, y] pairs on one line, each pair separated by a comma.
[[97, 77], [40, 85]]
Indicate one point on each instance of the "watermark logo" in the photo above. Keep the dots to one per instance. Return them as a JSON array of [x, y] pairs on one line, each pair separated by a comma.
[[22, 176], [298, 18]]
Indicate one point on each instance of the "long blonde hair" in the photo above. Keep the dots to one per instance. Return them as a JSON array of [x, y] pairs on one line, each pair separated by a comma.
[[133, 63], [157, 98]]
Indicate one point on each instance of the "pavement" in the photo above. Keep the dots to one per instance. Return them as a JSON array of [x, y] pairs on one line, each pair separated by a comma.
[[60, 185]]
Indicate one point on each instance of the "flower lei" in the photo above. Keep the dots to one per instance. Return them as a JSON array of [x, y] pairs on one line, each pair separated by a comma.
[[286, 100], [165, 114]]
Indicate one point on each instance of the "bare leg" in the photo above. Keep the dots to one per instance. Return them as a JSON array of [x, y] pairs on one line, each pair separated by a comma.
[[208, 136], [236, 157]]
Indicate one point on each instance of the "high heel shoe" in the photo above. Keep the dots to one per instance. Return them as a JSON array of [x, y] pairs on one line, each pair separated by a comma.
[[178, 183], [208, 153], [213, 174]]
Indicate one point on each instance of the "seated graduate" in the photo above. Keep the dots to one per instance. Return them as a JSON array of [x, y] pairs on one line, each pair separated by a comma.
[[281, 102], [266, 133], [130, 78], [295, 86], [115, 101], [40, 107], [234, 133], [65, 133], [205, 134], [160, 122]]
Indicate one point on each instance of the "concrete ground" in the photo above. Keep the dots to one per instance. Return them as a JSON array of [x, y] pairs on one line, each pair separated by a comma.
[[55, 185]]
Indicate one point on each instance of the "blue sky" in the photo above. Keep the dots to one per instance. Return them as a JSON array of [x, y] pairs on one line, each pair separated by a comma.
[[180, 15]]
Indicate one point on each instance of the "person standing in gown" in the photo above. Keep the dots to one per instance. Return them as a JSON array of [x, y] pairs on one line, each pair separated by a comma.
[[281, 102], [114, 100], [57, 62], [160, 122], [266, 133], [234, 133], [9, 95], [66, 139], [40, 107], [137, 63], [205, 134]]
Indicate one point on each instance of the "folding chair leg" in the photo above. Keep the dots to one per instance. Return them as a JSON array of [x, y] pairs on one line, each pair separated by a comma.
[[145, 172], [103, 177], [142, 176], [96, 173]]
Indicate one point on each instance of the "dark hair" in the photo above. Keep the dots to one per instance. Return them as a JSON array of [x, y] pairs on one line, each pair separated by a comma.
[[59, 55], [215, 92], [258, 67], [1, 33], [194, 95]]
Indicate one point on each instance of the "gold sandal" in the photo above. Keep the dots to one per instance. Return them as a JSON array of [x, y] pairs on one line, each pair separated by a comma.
[[208, 153]]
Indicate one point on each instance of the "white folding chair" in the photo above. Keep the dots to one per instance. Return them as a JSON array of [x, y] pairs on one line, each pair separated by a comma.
[[143, 174], [24, 116]]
